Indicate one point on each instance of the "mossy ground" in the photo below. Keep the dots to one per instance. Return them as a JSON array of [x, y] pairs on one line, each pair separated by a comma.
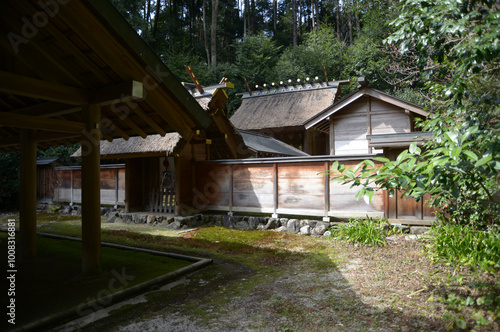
[[270, 281]]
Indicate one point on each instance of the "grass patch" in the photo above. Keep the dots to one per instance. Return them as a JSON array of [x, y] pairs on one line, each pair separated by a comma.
[[371, 232]]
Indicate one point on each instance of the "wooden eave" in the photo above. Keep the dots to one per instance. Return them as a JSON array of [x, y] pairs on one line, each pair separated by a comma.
[[321, 120], [84, 53]]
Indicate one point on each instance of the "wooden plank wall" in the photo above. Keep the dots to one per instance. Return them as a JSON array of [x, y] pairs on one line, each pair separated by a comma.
[[367, 116], [46, 181], [292, 188], [68, 183]]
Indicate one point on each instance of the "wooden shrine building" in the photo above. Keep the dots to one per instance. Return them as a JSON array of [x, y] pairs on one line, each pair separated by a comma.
[[280, 111], [75, 71]]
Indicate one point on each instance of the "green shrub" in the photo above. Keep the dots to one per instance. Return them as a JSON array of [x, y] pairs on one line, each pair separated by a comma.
[[371, 232], [465, 246]]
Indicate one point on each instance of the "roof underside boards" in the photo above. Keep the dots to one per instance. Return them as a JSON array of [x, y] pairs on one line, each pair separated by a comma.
[[153, 145], [269, 145], [58, 58], [320, 121], [280, 110]]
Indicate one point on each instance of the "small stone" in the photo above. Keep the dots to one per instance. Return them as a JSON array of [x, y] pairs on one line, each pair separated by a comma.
[[320, 228], [293, 226], [150, 219], [305, 230], [281, 229], [313, 223], [228, 222], [175, 225], [253, 222], [413, 237], [283, 221], [419, 230], [272, 223], [242, 225], [327, 233]]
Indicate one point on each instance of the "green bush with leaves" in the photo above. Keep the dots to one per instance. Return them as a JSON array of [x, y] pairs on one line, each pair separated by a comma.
[[371, 232], [459, 58], [463, 246]]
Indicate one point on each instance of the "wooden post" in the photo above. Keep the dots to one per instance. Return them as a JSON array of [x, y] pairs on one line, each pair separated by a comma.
[[369, 119], [184, 175], [332, 137], [231, 189], [91, 191], [275, 187], [327, 188], [27, 204]]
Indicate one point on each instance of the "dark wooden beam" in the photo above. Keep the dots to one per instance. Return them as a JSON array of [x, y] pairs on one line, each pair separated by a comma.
[[27, 204], [47, 109], [39, 123], [119, 93], [38, 137], [91, 192], [35, 88]]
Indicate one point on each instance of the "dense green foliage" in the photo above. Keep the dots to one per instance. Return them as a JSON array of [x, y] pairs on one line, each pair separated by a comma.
[[344, 36], [459, 59], [371, 232], [462, 246]]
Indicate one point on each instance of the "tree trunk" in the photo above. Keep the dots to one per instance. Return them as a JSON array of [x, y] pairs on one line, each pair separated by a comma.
[[275, 18], [251, 17], [205, 37], [215, 4], [294, 22], [338, 19], [246, 18], [312, 16], [157, 14], [349, 24], [317, 13]]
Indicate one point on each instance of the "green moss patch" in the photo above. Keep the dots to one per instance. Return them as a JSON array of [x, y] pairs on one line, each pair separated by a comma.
[[54, 281]]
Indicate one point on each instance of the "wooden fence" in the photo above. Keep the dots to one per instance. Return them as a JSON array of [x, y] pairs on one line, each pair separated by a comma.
[[293, 186], [69, 183]]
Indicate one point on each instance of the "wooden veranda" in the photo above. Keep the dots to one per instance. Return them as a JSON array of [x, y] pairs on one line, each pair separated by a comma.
[[75, 71]]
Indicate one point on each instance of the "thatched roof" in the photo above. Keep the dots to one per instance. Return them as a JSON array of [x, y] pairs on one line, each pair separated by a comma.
[[284, 107], [263, 144], [152, 145]]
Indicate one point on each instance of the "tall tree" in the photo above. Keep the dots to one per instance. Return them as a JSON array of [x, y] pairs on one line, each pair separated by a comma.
[[205, 34], [294, 23], [213, 30]]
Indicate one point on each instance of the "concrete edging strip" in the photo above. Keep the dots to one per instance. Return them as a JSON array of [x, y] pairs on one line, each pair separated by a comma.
[[113, 298]]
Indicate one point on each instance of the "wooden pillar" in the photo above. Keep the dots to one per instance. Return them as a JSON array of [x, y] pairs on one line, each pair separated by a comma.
[[27, 205], [369, 119], [231, 189], [327, 188], [332, 137], [275, 188], [184, 184], [91, 191]]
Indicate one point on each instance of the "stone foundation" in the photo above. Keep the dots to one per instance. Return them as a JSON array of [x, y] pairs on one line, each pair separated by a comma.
[[171, 222]]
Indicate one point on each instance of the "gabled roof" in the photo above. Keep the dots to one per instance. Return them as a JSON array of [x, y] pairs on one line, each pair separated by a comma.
[[284, 106], [46, 161], [269, 145], [85, 53], [363, 91], [136, 147]]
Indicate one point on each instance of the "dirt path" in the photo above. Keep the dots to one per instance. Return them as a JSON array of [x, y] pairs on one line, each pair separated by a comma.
[[343, 288]]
